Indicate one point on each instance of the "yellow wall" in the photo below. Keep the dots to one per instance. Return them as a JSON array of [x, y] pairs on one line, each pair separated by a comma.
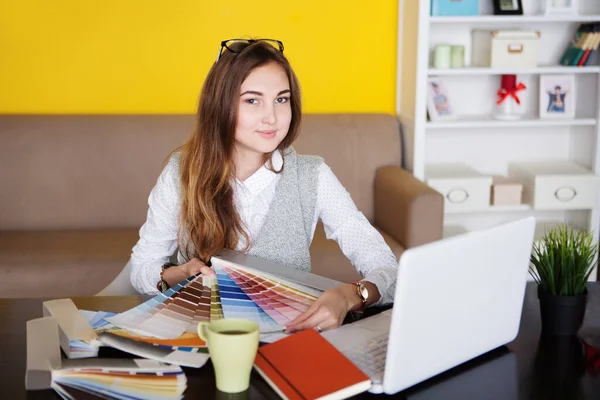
[[151, 56]]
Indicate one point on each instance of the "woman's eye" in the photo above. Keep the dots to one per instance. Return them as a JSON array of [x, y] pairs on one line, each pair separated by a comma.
[[251, 101], [283, 99]]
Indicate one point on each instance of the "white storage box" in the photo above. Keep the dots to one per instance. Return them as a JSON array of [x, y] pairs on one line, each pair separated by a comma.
[[505, 49], [463, 188], [560, 185]]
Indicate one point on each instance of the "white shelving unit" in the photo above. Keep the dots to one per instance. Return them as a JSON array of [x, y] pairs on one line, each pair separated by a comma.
[[489, 122], [475, 138], [548, 69], [513, 19]]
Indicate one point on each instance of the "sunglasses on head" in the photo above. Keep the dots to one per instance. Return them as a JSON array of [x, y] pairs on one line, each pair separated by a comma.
[[237, 45]]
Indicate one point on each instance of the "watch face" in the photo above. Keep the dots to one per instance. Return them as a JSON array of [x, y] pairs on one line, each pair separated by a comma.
[[363, 291]]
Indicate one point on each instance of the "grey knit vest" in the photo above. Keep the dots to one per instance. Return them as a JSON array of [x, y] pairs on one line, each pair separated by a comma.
[[287, 231]]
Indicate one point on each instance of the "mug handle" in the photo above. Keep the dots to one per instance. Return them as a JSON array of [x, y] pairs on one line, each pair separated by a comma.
[[202, 326]]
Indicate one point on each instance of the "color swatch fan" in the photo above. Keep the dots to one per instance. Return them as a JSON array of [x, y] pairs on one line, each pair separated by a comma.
[[171, 318], [270, 301]]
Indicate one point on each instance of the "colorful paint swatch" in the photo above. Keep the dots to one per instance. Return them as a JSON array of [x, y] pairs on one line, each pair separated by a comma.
[[280, 302], [172, 318], [120, 379], [169, 318], [187, 342], [202, 312], [236, 304], [133, 318], [216, 309]]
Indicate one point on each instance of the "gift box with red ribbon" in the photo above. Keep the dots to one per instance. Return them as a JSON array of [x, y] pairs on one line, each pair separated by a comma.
[[509, 88]]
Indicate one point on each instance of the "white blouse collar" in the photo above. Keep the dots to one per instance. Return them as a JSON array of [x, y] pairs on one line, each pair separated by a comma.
[[263, 177]]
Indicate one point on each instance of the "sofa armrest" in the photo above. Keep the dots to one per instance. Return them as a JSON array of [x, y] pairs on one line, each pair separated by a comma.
[[406, 208]]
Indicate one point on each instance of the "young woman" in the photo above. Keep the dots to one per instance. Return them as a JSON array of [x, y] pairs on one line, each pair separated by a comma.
[[237, 183]]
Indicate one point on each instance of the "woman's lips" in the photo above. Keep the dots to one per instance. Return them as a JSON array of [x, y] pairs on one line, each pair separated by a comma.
[[267, 134]]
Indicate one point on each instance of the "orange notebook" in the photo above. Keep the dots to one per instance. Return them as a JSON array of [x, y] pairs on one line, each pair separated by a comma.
[[306, 366]]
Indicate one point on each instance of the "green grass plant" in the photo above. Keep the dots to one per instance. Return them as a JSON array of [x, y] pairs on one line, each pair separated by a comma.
[[563, 260]]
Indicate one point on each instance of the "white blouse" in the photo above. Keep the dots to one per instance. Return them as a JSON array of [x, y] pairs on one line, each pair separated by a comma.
[[358, 240]]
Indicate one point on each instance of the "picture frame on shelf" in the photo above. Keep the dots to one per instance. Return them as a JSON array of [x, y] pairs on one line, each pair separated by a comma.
[[557, 96], [508, 7], [439, 106], [562, 7]]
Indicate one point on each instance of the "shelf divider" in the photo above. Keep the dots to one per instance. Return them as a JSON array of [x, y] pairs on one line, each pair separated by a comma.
[[548, 69], [490, 122]]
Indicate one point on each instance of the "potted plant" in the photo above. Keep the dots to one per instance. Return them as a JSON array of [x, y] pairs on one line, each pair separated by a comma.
[[561, 264]]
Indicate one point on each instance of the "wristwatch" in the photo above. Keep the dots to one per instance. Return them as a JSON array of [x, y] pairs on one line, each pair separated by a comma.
[[363, 292], [162, 285]]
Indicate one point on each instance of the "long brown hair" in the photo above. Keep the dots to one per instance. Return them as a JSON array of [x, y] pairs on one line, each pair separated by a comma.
[[209, 220]]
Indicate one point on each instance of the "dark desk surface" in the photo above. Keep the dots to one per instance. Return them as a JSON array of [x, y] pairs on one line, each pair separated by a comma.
[[527, 368]]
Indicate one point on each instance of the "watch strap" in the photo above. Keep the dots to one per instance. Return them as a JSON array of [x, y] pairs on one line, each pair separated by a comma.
[[162, 285], [363, 299]]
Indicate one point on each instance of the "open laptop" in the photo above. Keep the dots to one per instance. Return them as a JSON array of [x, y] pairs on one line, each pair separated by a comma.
[[455, 299]]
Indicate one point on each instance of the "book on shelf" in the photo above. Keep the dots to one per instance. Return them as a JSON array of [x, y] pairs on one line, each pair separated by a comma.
[[583, 48], [306, 366], [97, 377]]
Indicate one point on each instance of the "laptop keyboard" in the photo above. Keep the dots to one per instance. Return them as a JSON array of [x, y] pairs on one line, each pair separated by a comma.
[[369, 356]]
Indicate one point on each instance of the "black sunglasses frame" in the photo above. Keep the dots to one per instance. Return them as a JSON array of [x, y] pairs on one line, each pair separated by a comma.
[[225, 44]]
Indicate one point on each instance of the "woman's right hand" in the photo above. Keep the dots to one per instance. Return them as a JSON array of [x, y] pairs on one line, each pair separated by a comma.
[[174, 275]]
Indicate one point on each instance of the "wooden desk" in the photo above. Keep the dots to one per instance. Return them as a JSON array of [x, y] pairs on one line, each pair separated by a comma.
[[527, 368]]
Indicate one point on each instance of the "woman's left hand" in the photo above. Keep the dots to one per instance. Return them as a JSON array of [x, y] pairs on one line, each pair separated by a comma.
[[327, 312]]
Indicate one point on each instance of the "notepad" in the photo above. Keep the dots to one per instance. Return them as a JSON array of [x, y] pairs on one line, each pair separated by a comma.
[[306, 366]]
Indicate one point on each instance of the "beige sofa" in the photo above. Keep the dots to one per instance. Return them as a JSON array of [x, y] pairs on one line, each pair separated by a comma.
[[75, 188]]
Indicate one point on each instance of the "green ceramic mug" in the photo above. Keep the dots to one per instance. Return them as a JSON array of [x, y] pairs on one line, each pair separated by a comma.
[[232, 345]]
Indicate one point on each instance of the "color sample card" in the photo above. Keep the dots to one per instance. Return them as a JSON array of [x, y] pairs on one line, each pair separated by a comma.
[[236, 304], [280, 302], [133, 318], [202, 311], [171, 319], [142, 379], [216, 308], [294, 285]]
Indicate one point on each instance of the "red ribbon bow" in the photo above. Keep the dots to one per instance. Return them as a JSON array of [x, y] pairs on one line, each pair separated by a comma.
[[504, 93]]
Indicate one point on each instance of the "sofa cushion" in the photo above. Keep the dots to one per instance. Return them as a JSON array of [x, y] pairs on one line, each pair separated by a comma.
[[62, 263], [354, 146], [75, 172], [81, 263], [328, 260]]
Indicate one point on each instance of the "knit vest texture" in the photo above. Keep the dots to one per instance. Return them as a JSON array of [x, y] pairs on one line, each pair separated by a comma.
[[287, 232]]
